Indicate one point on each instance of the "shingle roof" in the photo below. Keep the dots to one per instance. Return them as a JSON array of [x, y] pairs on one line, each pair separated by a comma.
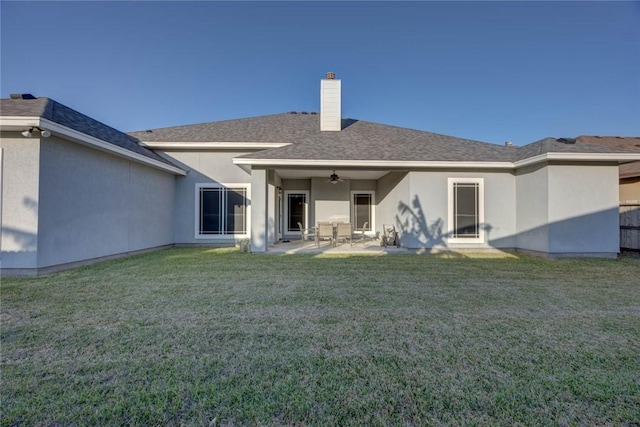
[[561, 145], [287, 127], [631, 143], [358, 140], [54, 111]]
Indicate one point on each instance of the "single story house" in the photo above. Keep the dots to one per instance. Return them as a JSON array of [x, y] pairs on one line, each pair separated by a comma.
[[75, 190]]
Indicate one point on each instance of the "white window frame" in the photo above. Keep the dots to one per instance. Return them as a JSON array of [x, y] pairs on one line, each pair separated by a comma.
[[451, 231], [286, 209], [372, 193], [197, 209]]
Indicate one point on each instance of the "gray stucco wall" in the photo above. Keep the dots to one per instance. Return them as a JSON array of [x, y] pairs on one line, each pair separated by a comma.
[[422, 216], [583, 209], [20, 200], [532, 211], [203, 167], [330, 202], [392, 189], [568, 209], [93, 204]]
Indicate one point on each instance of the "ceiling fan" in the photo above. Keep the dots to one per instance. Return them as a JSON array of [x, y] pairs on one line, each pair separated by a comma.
[[334, 178]]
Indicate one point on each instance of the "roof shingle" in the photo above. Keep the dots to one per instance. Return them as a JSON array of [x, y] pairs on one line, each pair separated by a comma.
[[54, 111], [631, 143], [358, 140]]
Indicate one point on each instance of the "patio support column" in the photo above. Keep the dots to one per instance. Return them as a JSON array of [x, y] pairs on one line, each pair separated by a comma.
[[259, 210]]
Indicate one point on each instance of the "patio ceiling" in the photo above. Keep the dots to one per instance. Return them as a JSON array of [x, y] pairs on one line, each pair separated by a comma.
[[325, 173]]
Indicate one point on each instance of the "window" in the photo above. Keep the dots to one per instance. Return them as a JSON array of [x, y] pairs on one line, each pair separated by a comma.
[[466, 209], [296, 210], [362, 203], [222, 210]]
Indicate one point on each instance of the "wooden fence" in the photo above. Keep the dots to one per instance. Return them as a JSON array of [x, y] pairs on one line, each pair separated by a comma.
[[630, 226]]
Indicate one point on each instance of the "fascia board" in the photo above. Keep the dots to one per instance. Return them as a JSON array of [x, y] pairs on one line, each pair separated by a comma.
[[372, 163], [99, 144], [580, 157], [218, 145], [18, 123], [584, 157]]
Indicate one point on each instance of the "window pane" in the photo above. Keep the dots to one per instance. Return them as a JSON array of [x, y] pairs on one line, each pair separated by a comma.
[[210, 206], [465, 208], [236, 221], [296, 204], [466, 198], [362, 210]]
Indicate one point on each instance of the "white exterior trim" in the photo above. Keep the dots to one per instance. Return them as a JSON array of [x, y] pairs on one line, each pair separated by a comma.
[[399, 164], [579, 157], [404, 164], [220, 145], [106, 146], [16, 123], [286, 193], [372, 225], [196, 223], [450, 213]]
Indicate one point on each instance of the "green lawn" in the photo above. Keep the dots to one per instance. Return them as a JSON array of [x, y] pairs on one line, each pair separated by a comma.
[[218, 337]]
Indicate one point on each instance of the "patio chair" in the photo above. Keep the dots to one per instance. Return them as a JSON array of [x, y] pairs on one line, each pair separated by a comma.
[[324, 231], [359, 235], [343, 232], [390, 236], [306, 234]]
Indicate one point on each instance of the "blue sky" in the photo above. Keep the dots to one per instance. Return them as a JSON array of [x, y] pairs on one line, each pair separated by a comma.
[[489, 71]]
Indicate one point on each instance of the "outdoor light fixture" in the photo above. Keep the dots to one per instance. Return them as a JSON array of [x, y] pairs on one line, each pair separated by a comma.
[[29, 132]]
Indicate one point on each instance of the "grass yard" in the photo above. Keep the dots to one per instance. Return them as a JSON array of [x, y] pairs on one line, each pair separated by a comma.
[[216, 337]]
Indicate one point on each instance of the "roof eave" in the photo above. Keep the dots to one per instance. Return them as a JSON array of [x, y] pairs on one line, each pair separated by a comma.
[[212, 145], [394, 164], [15, 123], [619, 158]]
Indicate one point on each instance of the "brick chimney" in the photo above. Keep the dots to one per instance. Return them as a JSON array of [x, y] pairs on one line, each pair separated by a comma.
[[330, 111]]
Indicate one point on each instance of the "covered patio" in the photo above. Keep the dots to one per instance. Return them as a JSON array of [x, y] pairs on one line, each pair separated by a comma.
[[286, 198]]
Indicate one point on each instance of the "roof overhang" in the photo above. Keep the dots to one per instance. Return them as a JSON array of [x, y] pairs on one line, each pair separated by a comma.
[[619, 158], [387, 164], [12, 123], [221, 145]]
